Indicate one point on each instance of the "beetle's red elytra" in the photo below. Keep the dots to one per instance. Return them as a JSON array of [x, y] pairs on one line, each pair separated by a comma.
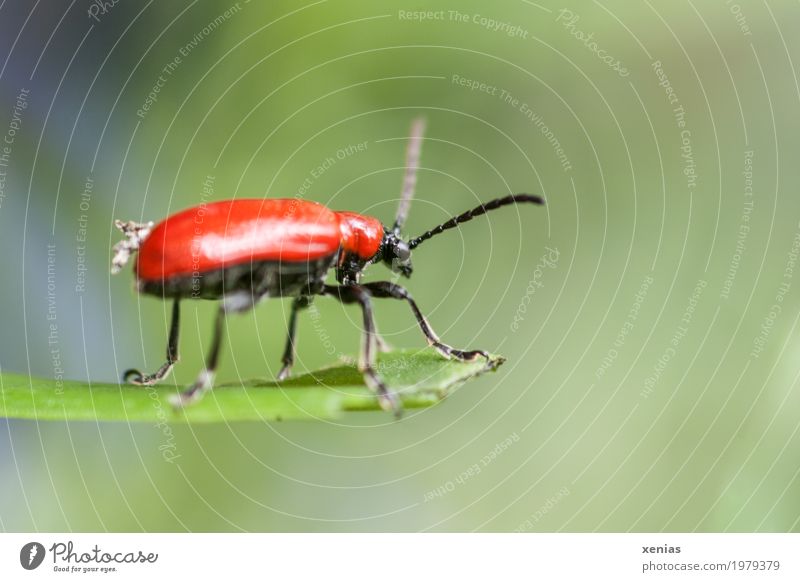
[[231, 232], [244, 250]]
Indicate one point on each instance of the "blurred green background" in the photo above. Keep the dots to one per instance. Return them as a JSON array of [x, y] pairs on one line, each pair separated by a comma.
[[648, 313]]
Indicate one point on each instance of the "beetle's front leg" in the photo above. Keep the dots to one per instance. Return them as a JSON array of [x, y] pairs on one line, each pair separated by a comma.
[[391, 290], [366, 365], [136, 377]]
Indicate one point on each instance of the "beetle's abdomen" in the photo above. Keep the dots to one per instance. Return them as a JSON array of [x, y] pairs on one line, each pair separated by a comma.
[[258, 279], [232, 233]]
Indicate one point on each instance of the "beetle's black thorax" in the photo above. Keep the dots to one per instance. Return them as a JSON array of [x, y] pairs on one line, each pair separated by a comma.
[[349, 268]]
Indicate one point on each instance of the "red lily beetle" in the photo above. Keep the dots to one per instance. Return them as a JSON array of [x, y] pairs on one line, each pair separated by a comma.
[[244, 250]]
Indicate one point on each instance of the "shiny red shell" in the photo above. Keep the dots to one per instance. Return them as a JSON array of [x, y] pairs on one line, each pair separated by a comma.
[[234, 232], [361, 235]]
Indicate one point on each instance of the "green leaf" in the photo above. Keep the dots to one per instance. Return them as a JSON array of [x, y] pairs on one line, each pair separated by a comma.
[[421, 378]]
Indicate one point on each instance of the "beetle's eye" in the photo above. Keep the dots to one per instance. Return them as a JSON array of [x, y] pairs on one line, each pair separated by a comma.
[[401, 251]]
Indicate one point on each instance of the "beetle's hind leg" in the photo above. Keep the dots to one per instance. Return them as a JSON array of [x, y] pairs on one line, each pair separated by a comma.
[[366, 365], [205, 379], [237, 302], [391, 290], [136, 377]]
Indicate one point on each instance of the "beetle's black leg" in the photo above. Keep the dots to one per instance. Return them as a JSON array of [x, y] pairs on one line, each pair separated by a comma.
[[358, 294], [136, 377], [288, 353], [387, 289], [205, 380], [383, 345]]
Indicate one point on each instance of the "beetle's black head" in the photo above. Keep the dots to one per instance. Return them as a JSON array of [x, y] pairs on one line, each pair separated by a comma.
[[396, 253]]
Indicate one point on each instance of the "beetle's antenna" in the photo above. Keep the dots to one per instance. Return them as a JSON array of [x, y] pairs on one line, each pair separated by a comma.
[[470, 214], [410, 177]]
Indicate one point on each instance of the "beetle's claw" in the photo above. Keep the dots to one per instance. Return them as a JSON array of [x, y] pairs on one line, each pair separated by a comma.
[[134, 376], [186, 398], [387, 399], [383, 345], [390, 402], [204, 382], [182, 399], [284, 373]]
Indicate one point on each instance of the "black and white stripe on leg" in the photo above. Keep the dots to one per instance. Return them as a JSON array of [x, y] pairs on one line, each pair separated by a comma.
[[299, 303], [205, 379], [383, 289], [358, 294], [136, 377]]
